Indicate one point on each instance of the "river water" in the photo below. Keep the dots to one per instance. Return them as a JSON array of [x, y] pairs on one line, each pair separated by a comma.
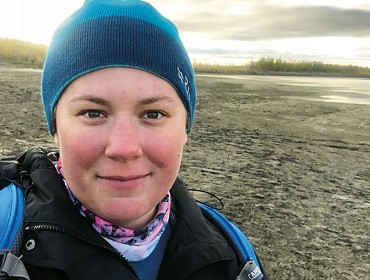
[[325, 89]]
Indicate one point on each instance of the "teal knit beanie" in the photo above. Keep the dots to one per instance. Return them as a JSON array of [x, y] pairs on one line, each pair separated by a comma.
[[113, 33]]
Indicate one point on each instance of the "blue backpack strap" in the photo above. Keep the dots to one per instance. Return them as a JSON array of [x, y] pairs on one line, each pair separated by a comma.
[[11, 218], [11, 232], [12, 207], [238, 241]]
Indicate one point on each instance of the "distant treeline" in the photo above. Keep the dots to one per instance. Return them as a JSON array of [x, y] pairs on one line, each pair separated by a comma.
[[22, 53], [265, 66], [32, 55]]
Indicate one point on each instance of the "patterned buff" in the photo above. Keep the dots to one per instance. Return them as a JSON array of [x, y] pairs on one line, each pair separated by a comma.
[[135, 245]]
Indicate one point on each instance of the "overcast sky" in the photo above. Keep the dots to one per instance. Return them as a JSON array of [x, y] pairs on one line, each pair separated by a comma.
[[230, 31]]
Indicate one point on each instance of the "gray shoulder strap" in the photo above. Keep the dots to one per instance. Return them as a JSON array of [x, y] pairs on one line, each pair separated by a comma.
[[12, 266]]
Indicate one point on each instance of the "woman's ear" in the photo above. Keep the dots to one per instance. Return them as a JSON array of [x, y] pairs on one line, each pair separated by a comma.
[[185, 138], [56, 139]]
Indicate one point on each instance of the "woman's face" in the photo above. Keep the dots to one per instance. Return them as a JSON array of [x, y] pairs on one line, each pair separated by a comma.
[[120, 132]]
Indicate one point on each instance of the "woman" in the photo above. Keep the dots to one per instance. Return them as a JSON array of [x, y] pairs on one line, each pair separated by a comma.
[[119, 94]]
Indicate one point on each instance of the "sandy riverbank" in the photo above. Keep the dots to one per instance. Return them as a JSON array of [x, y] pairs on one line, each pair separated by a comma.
[[293, 173]]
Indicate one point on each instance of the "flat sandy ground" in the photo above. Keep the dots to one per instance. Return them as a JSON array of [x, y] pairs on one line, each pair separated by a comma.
[[294, 174]]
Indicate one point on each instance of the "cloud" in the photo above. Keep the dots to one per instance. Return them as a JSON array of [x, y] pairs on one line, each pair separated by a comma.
[[263, 22]]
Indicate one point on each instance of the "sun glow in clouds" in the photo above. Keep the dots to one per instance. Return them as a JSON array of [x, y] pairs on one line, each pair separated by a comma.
[[33, 21], [230, 32]]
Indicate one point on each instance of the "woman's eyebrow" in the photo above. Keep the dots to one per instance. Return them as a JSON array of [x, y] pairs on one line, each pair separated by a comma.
[[152, 100], [93, 99], [101, 101]]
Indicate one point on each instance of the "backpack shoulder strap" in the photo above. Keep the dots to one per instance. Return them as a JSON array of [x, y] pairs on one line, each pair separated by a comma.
[[14, 180], [12, 266], [11, 215], [238, 241], [11, 232]]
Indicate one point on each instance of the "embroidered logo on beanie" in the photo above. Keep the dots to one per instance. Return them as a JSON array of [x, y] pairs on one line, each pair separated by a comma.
[[185, 81]]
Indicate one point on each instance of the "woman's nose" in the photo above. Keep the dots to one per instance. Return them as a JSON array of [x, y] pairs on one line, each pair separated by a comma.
[[123, 141]]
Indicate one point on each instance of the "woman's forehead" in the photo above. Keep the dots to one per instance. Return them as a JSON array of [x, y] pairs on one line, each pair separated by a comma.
[[107, 85], [108, 77]]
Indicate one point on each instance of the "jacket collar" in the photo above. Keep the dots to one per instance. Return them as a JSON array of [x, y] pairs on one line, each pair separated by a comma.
[[48, 204]]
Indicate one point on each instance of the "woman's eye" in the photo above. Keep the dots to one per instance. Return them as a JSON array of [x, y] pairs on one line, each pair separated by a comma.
[[153, 115], [92, 114]]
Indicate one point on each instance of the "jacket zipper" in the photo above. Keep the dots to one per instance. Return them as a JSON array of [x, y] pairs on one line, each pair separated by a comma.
[[62, 230]]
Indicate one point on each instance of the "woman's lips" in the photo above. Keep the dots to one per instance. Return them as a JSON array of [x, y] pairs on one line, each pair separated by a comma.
[[123, 182]]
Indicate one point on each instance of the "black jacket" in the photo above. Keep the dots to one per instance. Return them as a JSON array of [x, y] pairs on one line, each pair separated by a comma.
[[60, 244]]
